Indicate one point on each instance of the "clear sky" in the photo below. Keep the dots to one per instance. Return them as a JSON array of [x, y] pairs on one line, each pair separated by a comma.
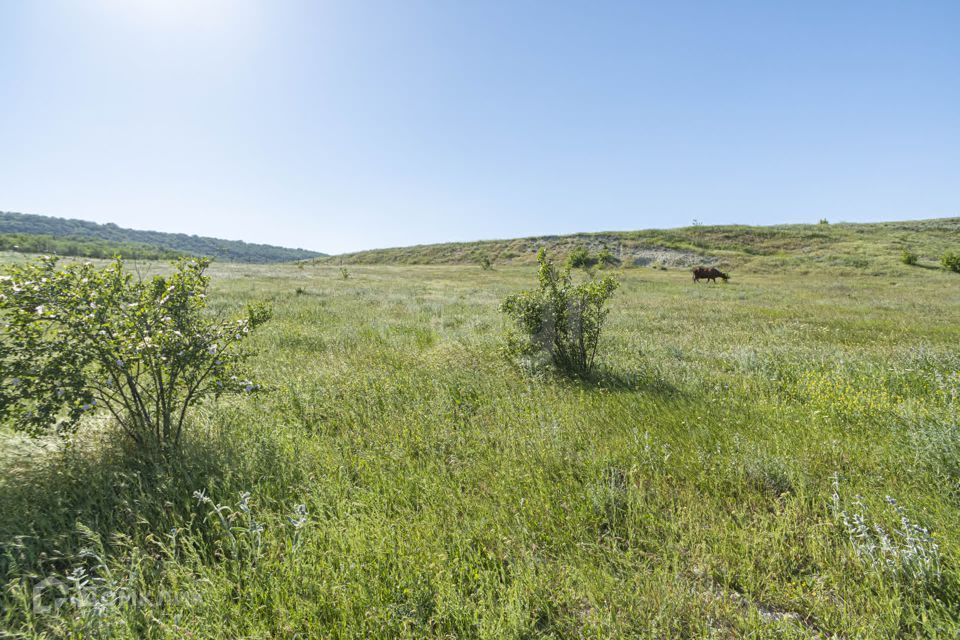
[[346, 125]]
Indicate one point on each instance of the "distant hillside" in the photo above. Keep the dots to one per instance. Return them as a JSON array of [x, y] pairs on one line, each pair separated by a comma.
[[33, 233], [857, 246]]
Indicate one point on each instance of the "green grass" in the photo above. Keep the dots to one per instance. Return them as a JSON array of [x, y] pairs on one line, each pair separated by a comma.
[[687, 491]]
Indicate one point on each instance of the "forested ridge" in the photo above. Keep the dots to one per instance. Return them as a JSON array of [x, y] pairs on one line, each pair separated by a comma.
[[45, 234]]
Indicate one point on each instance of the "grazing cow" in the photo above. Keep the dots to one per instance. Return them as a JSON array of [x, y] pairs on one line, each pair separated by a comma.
[[708, 273]]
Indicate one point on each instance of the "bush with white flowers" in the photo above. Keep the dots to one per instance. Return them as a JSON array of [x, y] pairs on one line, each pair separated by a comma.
[[79, 339]]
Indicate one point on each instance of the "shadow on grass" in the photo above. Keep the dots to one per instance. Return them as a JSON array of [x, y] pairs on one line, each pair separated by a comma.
[[642, 382], [100, 482]]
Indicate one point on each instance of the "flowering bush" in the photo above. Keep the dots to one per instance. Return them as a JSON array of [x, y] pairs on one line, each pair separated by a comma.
[[561, 320], [78, 339]]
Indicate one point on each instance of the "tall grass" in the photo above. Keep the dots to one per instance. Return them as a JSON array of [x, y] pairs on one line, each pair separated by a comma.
[[400, 479]]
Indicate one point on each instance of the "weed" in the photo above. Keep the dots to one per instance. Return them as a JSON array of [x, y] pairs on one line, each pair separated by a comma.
[[908, 553]]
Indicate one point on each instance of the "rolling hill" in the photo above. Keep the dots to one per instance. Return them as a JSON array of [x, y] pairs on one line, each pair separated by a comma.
[[862, 246], [38, 234]]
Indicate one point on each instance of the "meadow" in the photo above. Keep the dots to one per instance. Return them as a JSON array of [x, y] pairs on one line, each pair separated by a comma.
[[775, 457]]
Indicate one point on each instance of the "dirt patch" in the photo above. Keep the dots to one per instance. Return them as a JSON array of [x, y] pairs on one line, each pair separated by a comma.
[[666, 257]]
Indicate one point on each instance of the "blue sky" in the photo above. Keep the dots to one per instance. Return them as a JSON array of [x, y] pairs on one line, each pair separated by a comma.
[[346, 125]]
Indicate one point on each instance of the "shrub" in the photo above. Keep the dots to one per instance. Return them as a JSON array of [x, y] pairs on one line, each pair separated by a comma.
[[908, 257], [580, 258], [344, 273], [905, 552], [606, 259], [823, 221], [485, 263], [79, 339], [951, 261], [561, 321]]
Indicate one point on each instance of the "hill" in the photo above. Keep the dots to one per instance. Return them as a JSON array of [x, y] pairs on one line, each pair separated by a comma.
[[35, 233], [858, 246]]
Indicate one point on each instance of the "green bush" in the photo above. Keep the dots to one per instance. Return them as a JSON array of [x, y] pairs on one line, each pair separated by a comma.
[[909, 257], [580, 258], [951, 261], [485, 263], [80, 339], [561, 321], [606, 259]]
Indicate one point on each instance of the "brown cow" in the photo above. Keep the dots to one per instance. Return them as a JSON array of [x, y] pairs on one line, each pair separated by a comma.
[[708, 273]]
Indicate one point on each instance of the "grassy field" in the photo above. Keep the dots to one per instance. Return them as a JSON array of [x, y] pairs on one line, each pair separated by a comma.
[[776, 457]]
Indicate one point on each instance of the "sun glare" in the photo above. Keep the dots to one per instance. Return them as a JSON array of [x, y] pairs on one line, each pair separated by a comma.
[[184, 16]]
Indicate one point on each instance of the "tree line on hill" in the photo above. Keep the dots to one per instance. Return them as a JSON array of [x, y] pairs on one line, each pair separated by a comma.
[[45, 234], [82, 247]]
